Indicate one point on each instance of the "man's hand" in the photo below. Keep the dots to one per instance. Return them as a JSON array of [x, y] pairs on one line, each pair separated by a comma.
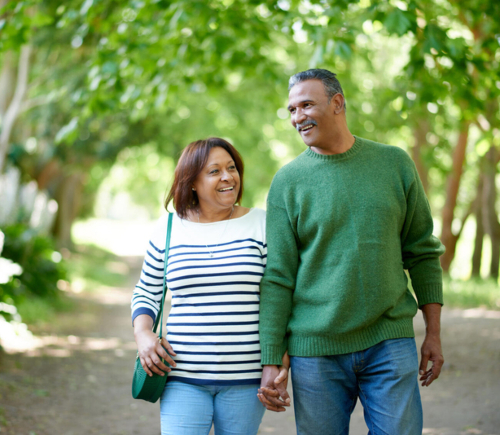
[[431, 351], [431, 347], [272, 392], [281, 380]]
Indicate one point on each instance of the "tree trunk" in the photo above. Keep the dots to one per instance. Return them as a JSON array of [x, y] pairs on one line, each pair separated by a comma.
[[14, 108], [420, 134], [449, 239], [67, 196], [50, 171], [7, 81], [478, 242], [490, 217]]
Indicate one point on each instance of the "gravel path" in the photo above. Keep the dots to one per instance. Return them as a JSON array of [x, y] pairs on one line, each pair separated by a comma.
[[75, 379]]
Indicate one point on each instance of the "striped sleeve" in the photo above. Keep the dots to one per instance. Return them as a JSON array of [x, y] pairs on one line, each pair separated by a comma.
[[148, 291]]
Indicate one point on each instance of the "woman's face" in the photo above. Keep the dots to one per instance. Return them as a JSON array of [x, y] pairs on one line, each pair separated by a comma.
[[218, 183]]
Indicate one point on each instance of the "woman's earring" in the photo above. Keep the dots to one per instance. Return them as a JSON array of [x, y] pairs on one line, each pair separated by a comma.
[[193, 189]]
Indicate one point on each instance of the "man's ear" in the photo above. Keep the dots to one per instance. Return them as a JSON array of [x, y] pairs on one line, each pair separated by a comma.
[[338, 103]]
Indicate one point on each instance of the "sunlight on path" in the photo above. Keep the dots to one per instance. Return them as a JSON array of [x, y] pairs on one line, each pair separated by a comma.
[[63, 346], [126, 238]]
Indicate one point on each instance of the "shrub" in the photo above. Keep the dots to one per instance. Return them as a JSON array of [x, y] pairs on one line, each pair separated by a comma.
[[41, 264]]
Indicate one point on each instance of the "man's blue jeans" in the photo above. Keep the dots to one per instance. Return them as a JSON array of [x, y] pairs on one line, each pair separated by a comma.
[[384, 377]]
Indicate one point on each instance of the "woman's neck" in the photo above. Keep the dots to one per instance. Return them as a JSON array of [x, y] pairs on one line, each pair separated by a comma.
[[204, 215]]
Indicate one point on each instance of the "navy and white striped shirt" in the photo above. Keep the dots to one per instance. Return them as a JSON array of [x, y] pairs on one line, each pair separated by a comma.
[[213, 325]]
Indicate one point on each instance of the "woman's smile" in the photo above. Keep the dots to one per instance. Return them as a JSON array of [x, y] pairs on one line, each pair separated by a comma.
[[218, 184]]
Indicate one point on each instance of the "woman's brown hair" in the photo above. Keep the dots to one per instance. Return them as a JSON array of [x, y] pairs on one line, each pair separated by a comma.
[[192, 160]]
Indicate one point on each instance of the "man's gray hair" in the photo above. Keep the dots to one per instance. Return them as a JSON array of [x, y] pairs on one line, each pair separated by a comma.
[[329, 80]]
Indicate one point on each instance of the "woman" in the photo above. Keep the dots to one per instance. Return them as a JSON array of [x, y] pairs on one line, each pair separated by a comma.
[[217, 258]]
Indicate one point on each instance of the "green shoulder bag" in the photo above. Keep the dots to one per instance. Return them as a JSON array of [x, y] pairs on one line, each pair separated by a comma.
[[150, 387]]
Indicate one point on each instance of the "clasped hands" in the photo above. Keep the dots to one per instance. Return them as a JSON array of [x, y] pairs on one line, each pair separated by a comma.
[[272, 392]]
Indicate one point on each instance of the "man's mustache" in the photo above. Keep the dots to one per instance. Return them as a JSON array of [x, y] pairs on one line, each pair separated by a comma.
[[305, 124]]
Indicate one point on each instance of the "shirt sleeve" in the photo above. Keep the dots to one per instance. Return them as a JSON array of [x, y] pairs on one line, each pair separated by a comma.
[[149, 289], [278, 284], [420, 249]]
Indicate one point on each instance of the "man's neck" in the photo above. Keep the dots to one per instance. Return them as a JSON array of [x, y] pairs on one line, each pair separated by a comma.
[[342, 143]]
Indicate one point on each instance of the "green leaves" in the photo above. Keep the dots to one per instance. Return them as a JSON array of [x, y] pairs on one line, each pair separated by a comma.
[[399, 22], [435, 38], [35, 254], [342, 50], [67, 133]]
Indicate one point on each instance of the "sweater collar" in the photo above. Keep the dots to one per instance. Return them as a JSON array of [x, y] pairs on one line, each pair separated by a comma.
[[358, 144]]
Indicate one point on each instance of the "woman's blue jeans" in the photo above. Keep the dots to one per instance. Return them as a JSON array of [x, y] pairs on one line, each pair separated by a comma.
[[190, 409], [384, 377]]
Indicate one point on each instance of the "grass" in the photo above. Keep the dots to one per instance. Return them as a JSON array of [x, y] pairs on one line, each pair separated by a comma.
[[89, 267], [3, 419], [472, 293], [95, 267], [36, 310]]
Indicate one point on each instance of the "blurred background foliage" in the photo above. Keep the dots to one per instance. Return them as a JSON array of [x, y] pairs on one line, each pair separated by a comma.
[[99, 97]]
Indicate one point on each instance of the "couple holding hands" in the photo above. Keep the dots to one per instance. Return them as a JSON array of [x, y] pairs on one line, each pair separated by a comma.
[[316, 283]]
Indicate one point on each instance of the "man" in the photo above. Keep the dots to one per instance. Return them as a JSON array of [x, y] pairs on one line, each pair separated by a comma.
[[345, 220]]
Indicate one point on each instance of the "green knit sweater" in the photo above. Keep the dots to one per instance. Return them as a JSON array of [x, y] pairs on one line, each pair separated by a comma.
[[341, 230]]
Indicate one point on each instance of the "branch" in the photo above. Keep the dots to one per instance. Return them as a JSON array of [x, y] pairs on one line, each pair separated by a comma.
[[34, 102], [473, 28], [7, 77], [478, 125], [15, 105]]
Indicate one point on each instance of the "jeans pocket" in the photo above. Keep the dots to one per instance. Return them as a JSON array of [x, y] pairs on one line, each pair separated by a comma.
[[402, 353]]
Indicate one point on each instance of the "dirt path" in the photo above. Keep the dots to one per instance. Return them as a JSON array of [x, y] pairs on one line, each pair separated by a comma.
[[78, 380]]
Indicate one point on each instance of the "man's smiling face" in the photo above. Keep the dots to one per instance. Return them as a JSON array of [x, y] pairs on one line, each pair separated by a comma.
[[311, 113]]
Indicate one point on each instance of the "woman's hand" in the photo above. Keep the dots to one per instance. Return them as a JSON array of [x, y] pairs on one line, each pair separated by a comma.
[[151, 351]]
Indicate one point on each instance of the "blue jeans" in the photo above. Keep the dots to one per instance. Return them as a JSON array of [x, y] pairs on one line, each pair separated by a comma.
[[190, 409], [384, 377]]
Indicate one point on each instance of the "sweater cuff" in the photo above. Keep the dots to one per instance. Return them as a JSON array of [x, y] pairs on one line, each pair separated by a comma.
[[429, 294], [272, 355]]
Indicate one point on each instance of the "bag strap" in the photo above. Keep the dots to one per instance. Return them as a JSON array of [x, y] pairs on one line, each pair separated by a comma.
[[159, 317]]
